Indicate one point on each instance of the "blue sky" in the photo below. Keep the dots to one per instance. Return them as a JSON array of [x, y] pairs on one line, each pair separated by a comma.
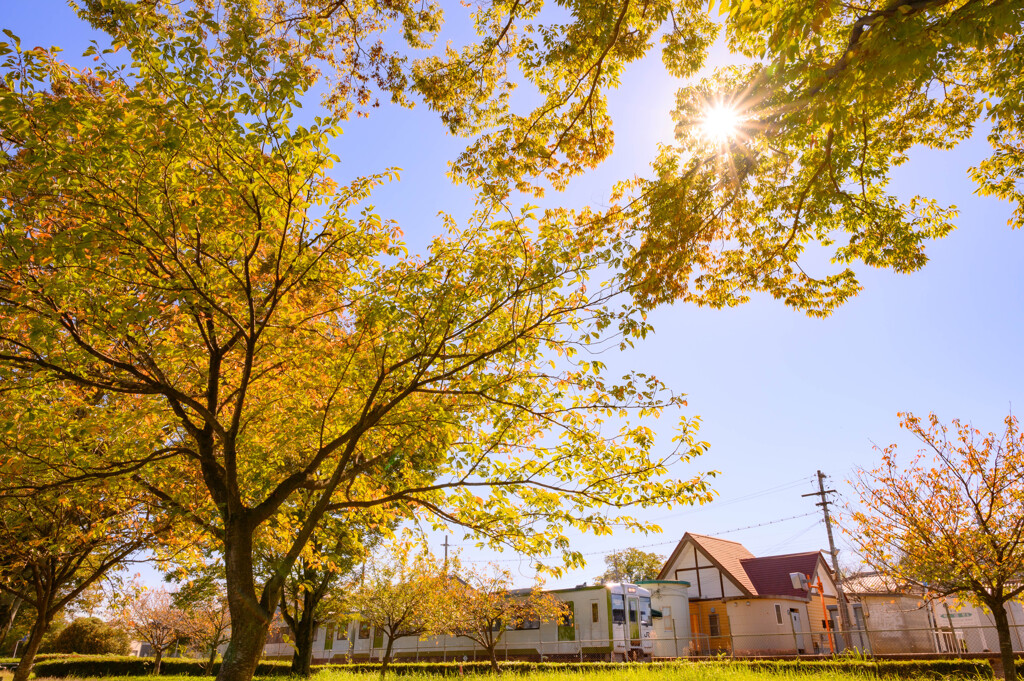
[[780, 395]]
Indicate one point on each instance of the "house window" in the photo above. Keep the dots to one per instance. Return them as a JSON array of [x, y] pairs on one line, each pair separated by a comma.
[[364, 630], [342, 633], [713, 626], [594, 614], [329, 637], [778, 613]]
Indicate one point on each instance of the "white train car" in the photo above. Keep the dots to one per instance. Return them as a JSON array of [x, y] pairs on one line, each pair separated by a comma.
[[605, 622]]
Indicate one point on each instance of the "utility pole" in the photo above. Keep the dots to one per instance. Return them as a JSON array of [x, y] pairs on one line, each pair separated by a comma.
[[823, 494], [446, 554]]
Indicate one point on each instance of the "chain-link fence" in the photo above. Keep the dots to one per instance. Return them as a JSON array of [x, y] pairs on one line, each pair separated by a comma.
[[948, 640]]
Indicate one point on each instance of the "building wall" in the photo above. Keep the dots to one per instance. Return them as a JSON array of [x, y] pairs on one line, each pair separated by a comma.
[[704, 641], [671, 631], [897, 623], [756, 628], [706, 580]]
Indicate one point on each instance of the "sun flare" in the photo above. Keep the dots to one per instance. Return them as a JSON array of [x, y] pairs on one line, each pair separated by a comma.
[[720, 123]]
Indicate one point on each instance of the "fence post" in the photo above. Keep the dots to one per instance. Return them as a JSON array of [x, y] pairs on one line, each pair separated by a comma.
[[949, 618]]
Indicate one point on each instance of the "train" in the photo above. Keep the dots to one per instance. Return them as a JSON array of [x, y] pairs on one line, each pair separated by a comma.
[[610, 622]]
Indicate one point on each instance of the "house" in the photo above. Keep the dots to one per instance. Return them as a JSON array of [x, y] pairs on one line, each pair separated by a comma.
[[748, 605]]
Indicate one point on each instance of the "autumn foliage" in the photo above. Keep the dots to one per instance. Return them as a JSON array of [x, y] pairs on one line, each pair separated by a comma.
[[949, 518]]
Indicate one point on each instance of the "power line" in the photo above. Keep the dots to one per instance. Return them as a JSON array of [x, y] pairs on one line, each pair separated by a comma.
[[715, 505], [663, 543]]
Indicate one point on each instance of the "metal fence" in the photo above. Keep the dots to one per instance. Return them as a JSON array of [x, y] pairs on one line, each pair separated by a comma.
[[947, 640]]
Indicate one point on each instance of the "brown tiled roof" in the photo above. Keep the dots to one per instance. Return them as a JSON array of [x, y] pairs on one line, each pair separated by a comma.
[[729, 555], [770, 574]]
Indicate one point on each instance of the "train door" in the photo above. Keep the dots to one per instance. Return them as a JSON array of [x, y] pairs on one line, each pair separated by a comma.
[[633, 607], [595, 623]]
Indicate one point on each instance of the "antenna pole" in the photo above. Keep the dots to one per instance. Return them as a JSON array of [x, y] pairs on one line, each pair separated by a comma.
[[823, 493]]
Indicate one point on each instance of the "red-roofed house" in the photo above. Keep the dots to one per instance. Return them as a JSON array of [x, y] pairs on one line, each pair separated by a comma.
[[748, 605]]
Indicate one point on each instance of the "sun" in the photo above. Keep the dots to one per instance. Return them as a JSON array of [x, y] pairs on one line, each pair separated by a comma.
[[720, 124]]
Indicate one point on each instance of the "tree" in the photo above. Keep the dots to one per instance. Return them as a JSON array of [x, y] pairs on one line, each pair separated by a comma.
[[317, 586], [171, 237], [831, 98], [404, 592], [152, 618], [91, 636], [631, 565], [55, 545], [207, 625], [200, 597], [484, 604], [951, 519]]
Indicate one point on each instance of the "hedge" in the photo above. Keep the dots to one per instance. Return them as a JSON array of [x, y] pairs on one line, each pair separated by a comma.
[[961, 669], [91, 666], [81, 666]]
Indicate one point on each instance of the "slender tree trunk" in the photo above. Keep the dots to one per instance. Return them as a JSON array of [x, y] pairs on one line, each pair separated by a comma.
[[213, 659], [28, 655], [493, 650], [387, 657], [9, 605], [1005, 642], [250, 616], [158, 656]]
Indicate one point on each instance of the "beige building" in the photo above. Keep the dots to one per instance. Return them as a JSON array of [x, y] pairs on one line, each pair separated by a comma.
[[749, 605], [895, 618]]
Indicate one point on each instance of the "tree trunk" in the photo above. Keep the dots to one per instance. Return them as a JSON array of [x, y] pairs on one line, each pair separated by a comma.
[[28, 656], [1005, 642], [9, 606], [158, 654], [303, 656], [250, 616], [387, 657], [213, 659], [493, 650]]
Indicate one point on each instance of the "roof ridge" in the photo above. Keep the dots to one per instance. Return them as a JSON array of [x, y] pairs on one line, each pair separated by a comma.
[[708, 536], [786, 555]]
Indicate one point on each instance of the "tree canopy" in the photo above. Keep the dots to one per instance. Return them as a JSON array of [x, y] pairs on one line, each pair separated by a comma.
[[172, 242], [631, 565], [831, 98]]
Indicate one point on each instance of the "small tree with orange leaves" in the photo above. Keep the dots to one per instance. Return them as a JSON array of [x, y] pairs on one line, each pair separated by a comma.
[[951, 519]]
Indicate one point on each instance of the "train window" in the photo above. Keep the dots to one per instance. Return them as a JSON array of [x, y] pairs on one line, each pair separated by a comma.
[[618, 609], [594, 612], [528, 622], [645, 610], [567, 623]]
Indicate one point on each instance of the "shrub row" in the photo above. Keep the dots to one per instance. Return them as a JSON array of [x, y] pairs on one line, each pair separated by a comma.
[[105, 665], [92, 666], [904, 669]]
